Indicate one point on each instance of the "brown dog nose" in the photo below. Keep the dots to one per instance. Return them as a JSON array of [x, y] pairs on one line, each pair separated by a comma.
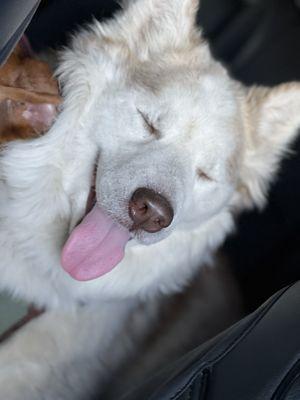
[[150, 211]]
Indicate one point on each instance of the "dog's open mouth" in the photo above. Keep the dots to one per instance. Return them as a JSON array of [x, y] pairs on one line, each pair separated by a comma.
[[95, 246]]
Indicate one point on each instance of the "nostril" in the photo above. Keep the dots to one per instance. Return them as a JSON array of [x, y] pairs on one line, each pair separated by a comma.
[[150, 211], [137, 209], [144, 208], [162, 223]]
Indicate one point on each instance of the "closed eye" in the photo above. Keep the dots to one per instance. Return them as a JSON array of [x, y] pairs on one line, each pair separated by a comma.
[[150, 127], [203, 175]]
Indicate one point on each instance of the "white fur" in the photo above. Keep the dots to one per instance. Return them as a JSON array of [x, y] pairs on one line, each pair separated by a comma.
[[150, 58]]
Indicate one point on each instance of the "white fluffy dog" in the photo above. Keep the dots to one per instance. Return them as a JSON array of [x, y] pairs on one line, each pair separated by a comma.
[[129, 193]]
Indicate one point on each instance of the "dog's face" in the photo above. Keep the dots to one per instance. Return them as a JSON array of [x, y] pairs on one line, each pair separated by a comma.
[[178, 141], [176, 135]]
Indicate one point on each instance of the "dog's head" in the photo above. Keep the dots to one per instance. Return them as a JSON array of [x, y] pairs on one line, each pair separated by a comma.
[[179, 141]]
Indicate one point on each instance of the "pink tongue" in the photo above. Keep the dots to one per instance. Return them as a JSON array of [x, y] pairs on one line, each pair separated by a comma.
[[94, 247]]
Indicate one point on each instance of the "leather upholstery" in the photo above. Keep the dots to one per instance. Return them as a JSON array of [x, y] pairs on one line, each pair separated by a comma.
[[14, 18], [258, 358]]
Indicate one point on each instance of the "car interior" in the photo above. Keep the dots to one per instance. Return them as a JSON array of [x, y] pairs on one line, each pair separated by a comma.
[[259, 356]]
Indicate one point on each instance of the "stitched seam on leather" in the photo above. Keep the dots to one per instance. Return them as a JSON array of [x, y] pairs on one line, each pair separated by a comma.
[[207, 364], [204, 381], [288, 380], [190, 392], [247, 329], [204, 384]]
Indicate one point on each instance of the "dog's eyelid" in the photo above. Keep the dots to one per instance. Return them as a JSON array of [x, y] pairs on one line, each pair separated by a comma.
[[149, 125], [203, 175]]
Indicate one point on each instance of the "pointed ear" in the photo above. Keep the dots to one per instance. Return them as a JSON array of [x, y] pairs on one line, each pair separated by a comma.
[[153, 25], [272, 121]]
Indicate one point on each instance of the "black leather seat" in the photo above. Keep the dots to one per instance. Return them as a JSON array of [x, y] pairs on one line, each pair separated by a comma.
[[256, 359]]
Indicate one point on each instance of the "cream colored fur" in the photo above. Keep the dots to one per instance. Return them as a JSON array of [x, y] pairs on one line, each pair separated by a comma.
[[220, 147]]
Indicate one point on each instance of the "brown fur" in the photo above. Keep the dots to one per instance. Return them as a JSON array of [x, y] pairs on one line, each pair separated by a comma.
[[24, 83]]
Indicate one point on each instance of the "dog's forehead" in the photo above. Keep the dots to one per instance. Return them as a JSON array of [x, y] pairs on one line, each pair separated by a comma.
[[199, 107], [201, 94], [193, 107]]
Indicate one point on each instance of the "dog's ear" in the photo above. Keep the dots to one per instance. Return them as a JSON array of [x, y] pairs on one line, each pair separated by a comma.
[[272, 121], [155, 25]]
